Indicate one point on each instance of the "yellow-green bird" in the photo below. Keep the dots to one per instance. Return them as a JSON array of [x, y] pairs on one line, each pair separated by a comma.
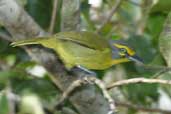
[[84, 49]]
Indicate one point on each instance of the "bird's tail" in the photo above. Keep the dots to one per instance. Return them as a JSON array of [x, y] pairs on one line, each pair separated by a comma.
[[28, 41]]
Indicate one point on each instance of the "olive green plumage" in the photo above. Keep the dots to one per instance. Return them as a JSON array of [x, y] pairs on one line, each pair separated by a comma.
[[85, 49]]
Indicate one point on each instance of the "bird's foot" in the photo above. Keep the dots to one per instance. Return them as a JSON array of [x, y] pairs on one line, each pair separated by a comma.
[[89, 72], [83, 71]]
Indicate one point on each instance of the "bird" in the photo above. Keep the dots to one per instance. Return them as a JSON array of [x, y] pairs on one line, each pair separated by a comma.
[[84, 49]]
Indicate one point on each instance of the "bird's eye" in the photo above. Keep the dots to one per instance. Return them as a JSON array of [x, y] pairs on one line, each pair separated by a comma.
[[123, 51]]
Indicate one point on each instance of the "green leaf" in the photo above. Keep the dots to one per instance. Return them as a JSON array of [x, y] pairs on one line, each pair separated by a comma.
[[41, 87], [155, 25], [142, 92], [165, 40], [7, 75], [4, 109], [25, 64], [161, 6], [3, 46], [40, 11], [129, 12], [85, 16]]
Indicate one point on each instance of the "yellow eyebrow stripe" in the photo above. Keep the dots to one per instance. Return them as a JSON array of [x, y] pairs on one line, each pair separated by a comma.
[[130, 51]]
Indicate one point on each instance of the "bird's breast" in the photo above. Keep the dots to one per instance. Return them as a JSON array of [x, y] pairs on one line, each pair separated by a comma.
[[74, 54]]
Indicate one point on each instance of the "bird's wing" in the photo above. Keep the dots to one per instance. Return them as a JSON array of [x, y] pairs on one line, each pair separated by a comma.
[[86, 39]]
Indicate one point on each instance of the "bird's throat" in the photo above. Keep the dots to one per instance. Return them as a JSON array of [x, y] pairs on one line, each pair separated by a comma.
[[120, 60]]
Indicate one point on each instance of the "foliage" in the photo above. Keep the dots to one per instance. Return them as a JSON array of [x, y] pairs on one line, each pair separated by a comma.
[[139, 23]]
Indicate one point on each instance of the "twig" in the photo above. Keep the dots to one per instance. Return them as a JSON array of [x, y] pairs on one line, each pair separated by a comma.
[[151, 67], [69, 90], [158, 74], [138, 80], [143, 109], [114, 9], [161, 70], [53, 17], [88, 80], [110, 100]]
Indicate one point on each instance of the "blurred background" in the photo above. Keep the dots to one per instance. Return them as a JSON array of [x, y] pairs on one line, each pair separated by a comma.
[[138, 22]]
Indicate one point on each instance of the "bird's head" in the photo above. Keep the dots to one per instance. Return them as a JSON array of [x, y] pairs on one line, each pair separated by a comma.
[[123, 52]]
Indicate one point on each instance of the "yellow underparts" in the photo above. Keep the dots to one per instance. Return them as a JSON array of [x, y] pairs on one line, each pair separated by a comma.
[[121, 60]]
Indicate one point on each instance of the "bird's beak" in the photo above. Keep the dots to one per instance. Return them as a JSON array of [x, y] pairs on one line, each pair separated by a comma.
[[135, 58]]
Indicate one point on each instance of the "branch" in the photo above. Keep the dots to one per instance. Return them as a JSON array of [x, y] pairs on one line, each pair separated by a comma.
[[88, 80], [114, 9], [140, 108], [17, 21], [138, 80], [70, 15], [53, 18], [159, 74], [160, 69]]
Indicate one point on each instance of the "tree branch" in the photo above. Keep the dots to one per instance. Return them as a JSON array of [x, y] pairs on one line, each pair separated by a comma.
[[84, 81], [17, 21], [138, 80], [53, 17], [143, 109], [70, 15], [114, 9]]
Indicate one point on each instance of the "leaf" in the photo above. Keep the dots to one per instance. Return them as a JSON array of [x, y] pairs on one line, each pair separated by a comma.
[[165, 41], [25, 64], [155, 25], [4, 109], [40, 11], [86, 21], [130, 12], [12, 75], [3, 46], [41, 87], [5, 76], [161, 6]]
